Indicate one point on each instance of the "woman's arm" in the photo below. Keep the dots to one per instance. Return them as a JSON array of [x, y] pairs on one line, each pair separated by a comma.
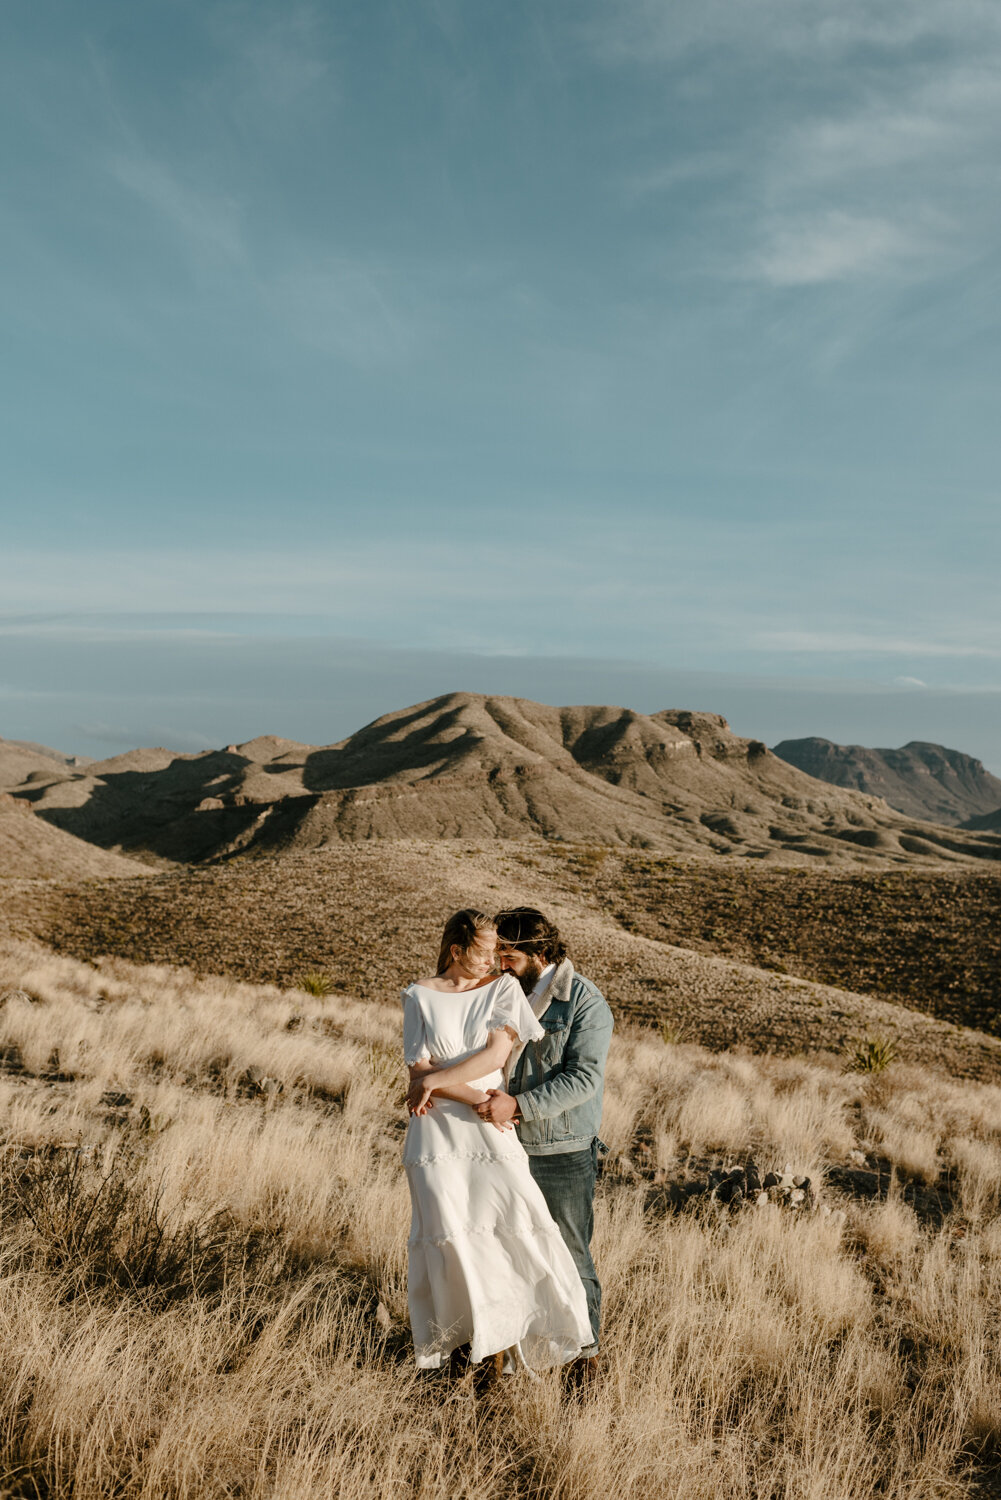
[[427, 1079], [460, 1092]]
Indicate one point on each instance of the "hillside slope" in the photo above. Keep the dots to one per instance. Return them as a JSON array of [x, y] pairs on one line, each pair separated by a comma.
[[31, 849], [369, 915], [21, 760], [921, 780], [465, 766]]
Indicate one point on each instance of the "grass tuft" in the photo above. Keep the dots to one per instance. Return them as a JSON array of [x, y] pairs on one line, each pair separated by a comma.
[[870, 1054], [316, 982], [672, 1033]]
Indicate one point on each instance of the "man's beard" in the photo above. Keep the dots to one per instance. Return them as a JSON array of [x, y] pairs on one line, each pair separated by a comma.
[[530, 978]]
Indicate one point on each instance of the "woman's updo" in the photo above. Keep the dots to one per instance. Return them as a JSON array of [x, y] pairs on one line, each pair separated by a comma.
[[461, 931]]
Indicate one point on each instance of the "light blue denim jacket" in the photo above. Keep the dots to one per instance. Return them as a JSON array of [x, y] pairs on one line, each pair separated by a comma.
[[560, 1079]]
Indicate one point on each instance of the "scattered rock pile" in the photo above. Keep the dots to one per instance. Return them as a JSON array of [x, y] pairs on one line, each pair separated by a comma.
[[725, 1188]]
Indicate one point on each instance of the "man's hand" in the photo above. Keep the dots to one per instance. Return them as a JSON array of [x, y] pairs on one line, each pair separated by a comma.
[[498, 1109]]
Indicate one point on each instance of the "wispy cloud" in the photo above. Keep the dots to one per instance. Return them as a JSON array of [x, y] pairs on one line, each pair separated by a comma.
[[111, 735], [356, 310], [696, 167], [645, 31], [359, 310], [206, 222], [271, 62], [862, 137], [831, 247], [849, 643]]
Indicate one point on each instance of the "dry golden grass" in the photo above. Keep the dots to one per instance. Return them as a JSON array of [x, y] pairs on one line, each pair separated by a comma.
[[208, 1297]]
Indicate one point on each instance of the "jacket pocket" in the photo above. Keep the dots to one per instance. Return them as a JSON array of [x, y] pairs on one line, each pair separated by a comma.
[[557, 1017], [549, 1050]]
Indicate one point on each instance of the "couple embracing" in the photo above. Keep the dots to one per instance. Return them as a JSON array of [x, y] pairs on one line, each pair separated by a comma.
[[506, 1046]]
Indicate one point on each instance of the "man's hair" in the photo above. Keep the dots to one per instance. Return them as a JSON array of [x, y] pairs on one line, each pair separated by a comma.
[[526, 929], [461, 931]]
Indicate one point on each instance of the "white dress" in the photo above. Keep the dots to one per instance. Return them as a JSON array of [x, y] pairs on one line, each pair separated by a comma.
[[487, 1265]]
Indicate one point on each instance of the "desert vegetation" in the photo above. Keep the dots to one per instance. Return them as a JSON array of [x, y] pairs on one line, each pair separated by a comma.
[[778, 960], [204, 1246]]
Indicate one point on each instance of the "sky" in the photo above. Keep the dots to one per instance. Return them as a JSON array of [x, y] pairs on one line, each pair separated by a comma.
[[588, 350]]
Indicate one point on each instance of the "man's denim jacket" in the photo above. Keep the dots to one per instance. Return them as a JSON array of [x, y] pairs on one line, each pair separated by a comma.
[[560, 1079]]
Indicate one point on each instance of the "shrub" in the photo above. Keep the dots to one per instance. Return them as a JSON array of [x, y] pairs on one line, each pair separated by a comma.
[[671, 1033], [316, 982], [108, 1229], [870, 1054]]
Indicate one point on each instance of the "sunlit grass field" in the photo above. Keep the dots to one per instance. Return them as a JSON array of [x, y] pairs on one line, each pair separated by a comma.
[[203, 1248]]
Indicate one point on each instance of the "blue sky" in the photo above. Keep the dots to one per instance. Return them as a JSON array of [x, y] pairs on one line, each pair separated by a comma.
[[591, 351]]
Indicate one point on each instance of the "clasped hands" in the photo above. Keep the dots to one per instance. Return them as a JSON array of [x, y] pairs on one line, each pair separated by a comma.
[[494, 1107]]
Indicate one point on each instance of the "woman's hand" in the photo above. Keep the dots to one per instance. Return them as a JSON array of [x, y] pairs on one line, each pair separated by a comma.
[[419, 1093]]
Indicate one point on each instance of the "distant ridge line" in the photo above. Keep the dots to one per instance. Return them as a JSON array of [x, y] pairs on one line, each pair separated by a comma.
[[920, 779], [479, 766]]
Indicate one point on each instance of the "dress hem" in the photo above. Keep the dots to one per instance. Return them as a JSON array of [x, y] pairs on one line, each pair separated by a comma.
[[567, 1345]]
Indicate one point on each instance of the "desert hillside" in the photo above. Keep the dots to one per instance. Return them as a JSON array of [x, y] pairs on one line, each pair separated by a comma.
[[32, 849], [465, 766], [22, 761], [922, 780], [204, 1239], [988, 822], [784, 960]]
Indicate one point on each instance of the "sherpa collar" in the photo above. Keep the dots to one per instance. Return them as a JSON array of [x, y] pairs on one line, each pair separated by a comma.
[[559, 985]]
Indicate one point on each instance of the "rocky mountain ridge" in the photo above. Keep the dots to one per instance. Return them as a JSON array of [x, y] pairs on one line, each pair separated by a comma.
[[920, 779], [470, 766]]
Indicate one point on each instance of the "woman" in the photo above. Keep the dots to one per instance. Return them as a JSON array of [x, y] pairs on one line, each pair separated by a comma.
[[487, 1266]]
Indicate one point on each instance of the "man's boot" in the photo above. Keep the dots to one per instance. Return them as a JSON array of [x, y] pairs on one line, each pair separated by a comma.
[[487, 1374], [580, 1376]]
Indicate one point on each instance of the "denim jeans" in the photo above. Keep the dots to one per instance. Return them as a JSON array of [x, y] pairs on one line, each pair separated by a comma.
[[567, 1181]]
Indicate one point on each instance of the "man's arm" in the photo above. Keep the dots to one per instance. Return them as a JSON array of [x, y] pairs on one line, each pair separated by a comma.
[[578, 1078]]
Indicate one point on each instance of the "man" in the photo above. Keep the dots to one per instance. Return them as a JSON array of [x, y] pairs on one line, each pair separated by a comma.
[[555, 1089]]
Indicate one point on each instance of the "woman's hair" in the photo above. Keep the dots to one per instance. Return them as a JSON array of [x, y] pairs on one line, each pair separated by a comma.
[[461, 931], [529, 931]]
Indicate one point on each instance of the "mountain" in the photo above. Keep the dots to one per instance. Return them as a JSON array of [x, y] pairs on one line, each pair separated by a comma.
[[466, 766], [920, 779], [31, 849], [22, 759], [987, 822]]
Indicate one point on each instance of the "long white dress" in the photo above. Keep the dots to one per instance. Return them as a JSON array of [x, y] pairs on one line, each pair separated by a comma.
[[487, 1265]]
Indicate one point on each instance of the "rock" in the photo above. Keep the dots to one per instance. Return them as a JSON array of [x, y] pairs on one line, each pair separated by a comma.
[[116, 1100]]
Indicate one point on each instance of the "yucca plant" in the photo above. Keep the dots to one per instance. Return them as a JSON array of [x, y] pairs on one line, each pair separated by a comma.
[[316, 982], [870, 1054], [671, 1033]]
